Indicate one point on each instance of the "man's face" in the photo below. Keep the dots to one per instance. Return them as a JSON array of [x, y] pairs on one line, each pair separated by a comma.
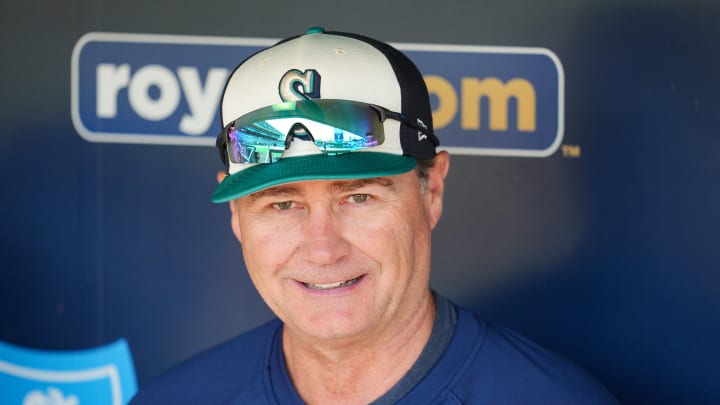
[[342, 259]]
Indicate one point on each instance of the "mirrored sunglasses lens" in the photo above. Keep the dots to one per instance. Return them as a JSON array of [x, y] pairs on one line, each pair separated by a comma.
[[336, 126]]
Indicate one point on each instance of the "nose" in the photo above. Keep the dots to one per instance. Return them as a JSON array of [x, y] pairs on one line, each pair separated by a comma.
[[323, 242]]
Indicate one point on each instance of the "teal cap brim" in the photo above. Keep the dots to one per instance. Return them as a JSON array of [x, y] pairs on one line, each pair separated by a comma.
[[354, 165]]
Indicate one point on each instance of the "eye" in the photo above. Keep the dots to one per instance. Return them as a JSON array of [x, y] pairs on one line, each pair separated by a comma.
[[358, 198], [284, 205]]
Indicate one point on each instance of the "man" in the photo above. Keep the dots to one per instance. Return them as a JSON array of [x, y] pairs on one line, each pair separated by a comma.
[[334, 186]]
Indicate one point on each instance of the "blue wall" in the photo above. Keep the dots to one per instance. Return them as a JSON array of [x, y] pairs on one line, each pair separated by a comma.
[[609, 258]]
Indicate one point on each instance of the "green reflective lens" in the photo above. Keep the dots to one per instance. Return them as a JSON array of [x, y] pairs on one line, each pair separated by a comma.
[[335, 126]]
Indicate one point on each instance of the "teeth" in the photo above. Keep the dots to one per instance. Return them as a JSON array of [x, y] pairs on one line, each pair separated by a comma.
[[325, 286], [330, 286]]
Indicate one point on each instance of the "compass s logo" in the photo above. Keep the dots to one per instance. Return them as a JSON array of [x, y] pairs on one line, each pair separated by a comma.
[[296, 85]]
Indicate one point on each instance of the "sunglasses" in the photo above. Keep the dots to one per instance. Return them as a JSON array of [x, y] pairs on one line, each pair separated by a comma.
[[335, 127]]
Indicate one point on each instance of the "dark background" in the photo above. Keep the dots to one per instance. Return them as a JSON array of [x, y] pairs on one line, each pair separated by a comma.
[[609, 258]]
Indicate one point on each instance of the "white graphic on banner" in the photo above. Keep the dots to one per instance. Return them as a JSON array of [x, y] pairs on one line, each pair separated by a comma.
[[53, 397]]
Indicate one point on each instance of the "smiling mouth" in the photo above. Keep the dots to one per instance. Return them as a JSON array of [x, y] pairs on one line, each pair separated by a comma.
[[330, 286]]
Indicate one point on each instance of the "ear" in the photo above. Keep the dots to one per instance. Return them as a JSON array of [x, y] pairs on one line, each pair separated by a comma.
[[436, 186], [221, 176], [235, 220], [234, 224]]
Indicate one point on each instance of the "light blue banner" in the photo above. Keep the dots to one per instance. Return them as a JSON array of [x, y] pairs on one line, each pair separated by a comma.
[[103, 375]]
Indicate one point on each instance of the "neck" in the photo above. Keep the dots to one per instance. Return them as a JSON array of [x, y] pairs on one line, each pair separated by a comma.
[[359, 370]]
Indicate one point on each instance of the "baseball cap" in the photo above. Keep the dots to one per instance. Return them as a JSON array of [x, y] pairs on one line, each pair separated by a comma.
[[319, 106]]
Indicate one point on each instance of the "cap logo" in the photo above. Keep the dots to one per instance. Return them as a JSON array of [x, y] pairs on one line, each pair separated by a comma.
[[421, 126], [297, 85]]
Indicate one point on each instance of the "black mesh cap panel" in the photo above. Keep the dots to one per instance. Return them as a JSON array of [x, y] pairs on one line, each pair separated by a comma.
[[414, 95]]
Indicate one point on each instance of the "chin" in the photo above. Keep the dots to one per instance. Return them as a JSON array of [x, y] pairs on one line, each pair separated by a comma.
[[334, 325]]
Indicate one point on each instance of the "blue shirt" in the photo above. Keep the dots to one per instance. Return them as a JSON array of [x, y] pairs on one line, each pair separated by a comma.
[[483, 364]]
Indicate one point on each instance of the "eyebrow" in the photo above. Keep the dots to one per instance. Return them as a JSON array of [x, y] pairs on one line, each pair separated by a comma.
[[338, 187], [352, 185], [283, 190]]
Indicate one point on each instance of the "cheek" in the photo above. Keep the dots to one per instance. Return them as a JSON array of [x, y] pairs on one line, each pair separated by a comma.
[[409, 235], [266, 249], [387, 238]]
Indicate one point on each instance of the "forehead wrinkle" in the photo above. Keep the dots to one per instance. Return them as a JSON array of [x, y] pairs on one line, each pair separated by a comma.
[[343, 186], [351, 185], [282, 190]]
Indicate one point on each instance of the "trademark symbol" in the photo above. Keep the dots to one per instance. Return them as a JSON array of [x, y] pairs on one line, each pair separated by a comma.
[[571, 151]]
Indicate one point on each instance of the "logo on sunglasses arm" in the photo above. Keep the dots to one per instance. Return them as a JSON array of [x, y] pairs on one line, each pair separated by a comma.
[[296, 85]]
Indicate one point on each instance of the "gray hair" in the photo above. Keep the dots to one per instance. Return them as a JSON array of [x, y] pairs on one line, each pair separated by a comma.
[[421, 168]]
